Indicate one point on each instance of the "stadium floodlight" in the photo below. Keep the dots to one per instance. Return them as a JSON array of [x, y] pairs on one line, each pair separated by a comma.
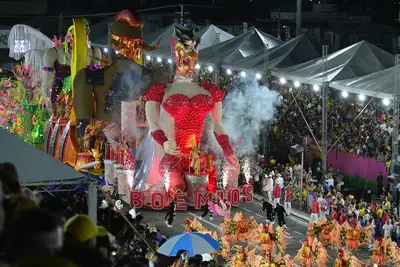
[[148, 57], [197, 66], [243, 74], [105, 49], [296, 84], [345, 94], [316, 88], [159, 60], [282, 80], [258, 76], [386, 102], [169, 61], [210, 68], [361, 97], [229, 71]]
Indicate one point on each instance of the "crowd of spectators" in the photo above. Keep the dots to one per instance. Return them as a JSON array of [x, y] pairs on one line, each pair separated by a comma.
[[52, 230], [353, 126]]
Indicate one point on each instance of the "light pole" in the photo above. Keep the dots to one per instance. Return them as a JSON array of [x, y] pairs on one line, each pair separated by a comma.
[[298, 18], [300, 149]]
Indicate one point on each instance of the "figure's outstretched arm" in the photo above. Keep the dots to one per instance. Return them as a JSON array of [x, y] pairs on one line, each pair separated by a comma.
[[219, 131], [152, 110]]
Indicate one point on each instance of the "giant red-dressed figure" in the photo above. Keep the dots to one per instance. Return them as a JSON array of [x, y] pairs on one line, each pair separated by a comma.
[[187, 104]]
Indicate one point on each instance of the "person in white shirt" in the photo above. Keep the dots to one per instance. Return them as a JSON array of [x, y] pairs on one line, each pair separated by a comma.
[[329, 180], [387, 229], [323, 206], [269, 188], [279, 180]]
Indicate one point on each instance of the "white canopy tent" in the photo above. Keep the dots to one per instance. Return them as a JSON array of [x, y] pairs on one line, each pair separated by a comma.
[[208, 37], [379, 84], [163, 34], [292, 52], [249, 43], [356, 60], [32, 164], [29, 44]]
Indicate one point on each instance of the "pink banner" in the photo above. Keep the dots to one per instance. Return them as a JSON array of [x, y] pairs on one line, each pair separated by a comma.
[[356, 165]]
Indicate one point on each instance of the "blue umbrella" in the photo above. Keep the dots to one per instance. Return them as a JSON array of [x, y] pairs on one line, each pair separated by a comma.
[[193, 243]]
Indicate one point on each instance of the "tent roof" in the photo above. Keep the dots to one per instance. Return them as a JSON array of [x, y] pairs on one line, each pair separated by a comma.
[[379, 84], [356, 60], [208, 37], [247, 44], [164, 34], [295, 51], [32, 164]]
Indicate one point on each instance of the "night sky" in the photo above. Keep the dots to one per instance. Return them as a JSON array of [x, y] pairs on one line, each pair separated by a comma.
[[232, 10]]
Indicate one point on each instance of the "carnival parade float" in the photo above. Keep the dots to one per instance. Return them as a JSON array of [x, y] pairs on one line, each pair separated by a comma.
[[147, 134]]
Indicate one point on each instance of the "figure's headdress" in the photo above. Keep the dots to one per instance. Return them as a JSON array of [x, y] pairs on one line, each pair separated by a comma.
[[184, 47]]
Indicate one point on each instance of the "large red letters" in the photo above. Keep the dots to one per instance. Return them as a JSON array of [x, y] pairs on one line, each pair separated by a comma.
[[180, 201], [202, 199], [159, 199], [247, 191], [137, 199]]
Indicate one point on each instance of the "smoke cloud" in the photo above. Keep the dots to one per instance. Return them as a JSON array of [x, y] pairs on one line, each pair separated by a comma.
[[246, 105]]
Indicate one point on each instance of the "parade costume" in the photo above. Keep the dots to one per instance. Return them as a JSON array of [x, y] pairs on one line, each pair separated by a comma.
[[239, 228], [311, 253], [243, 257], [271, 239], [385, 251], [354, 236], [194, 226], [278, 261], [346, 259], [187, 105], [222, 208], [328, 232]]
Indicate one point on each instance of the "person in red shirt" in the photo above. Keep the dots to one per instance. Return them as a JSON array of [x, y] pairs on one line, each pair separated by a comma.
[[385, 217], [289, 194], [277, 194], [335, 215], [314, 211], [342, 218]]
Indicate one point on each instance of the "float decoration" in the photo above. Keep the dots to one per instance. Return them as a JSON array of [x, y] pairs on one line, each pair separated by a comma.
[[127, 36]]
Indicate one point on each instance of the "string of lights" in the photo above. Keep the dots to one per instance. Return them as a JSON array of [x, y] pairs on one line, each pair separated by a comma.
[[258, 75]]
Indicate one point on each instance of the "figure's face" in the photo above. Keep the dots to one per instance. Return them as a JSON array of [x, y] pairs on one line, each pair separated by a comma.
[[185, 57]]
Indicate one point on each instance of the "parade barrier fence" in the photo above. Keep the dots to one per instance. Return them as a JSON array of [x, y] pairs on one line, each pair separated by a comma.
[[359, 171]]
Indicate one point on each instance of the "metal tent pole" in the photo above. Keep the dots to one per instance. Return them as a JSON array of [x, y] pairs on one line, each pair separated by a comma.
[[218, 65], [324, 126], [298, 18], [301, 178], [396, 114], [265, 135], [92, 201]]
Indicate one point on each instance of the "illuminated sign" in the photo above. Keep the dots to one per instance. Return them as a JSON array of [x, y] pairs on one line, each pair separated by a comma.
[[159, 200]]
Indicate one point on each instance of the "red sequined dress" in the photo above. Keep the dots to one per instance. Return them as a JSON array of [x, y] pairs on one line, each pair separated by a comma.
[[188, 114]]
